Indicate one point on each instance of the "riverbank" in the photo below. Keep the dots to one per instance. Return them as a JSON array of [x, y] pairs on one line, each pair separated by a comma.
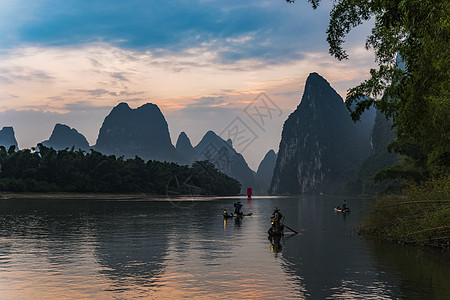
[[108, 196], [421, 216], [100, 196]]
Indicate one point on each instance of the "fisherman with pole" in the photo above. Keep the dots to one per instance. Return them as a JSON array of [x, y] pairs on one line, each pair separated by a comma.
[[237, 208], [278, 227]]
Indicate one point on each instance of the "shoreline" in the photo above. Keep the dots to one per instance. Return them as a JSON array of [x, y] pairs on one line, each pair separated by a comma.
[[137, 196], [75, 196], [420, 218], [107, 196]]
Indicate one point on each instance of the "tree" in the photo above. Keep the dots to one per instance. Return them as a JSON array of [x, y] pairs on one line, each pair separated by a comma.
[[416, 96], [49, 170]]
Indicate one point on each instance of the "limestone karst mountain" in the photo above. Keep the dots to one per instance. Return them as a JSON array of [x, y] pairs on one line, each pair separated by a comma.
[[226, 159], [8, 138], [142, 131], [265, 171], [184, 147], [320, 148], [64, 137]]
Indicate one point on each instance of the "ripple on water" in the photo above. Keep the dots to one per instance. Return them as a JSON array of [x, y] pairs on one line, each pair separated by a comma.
[[147, 249]]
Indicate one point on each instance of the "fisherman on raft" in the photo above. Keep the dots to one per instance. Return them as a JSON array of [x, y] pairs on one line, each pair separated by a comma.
[[276, 217], [237, 208]]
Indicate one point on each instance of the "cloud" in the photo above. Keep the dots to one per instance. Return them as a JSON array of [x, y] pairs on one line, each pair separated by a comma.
[[270, 30], [119, 76], [95, 63], [201, 61], [206, 102], [5, 80], [84, 106], [17, 73], [103, 92]]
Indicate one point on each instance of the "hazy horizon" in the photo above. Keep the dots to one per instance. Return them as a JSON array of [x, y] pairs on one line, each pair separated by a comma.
[[202, 62]]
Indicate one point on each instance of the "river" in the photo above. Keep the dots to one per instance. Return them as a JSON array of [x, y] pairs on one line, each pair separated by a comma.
[[159, 249]]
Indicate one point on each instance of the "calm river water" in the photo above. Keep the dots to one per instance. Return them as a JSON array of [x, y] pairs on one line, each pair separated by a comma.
[[118, 249]]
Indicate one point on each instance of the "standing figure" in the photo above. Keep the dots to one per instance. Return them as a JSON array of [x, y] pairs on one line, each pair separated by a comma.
[[277, 226], [237, 208]]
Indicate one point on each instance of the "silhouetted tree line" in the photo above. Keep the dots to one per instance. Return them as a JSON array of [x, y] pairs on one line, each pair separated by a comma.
[[46, 170]]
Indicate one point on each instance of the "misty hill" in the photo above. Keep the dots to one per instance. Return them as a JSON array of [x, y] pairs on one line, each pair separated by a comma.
[[225, 159], [64, 137], [380, 158], [184, 148], [8, 138], [265, 171], [320, 148], [364, 127], [142, 131]]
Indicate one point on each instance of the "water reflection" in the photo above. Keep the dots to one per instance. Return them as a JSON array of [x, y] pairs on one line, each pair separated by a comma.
[[130, 248], [153, 249], [275, 243], [46, 230], [48, 248], [331, 260], [416, 272]]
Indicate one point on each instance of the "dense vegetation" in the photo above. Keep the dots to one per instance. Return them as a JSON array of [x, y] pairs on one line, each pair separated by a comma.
[[48, 170], [421, 216], [414, 91]]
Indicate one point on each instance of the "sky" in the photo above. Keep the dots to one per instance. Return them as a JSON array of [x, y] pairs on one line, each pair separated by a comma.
[[208, 64]]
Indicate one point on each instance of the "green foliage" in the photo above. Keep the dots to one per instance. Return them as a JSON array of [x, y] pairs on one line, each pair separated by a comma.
[[48, 170], [417, 95], [421, 217]]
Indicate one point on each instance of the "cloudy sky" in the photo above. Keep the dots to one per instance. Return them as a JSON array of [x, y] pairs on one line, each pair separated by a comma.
[[205, 63]]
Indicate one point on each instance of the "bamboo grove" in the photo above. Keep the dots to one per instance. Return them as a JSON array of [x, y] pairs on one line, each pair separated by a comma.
[[44, 169]]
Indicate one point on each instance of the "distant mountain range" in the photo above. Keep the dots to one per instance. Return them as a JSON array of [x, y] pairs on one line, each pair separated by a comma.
[[144, 132], [321, 149]]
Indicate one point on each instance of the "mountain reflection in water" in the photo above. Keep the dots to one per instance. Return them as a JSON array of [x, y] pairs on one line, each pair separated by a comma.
[[160, 249]]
